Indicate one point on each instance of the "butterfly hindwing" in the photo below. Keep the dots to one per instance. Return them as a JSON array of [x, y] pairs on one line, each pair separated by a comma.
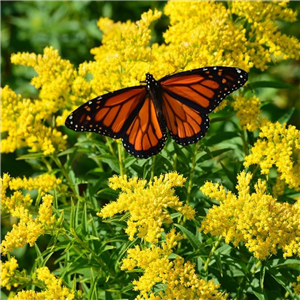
[[188, 97], [185, 124], [146, 135]]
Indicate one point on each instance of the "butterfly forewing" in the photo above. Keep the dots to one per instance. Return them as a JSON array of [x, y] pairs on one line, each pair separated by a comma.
[[188, 97], [204, 88], [110, 114]]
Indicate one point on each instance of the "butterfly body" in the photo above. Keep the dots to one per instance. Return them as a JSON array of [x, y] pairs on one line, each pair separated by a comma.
[[141, 115]]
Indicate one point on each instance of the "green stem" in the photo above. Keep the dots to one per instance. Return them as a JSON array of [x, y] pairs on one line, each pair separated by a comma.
[[120, 159], [212, 251], [189, 189], [242, 282], [245, 144], [175, 161], [65, 174], [87, 248], [153, 167]]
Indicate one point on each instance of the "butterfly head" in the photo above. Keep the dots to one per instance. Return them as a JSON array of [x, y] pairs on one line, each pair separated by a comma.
[[150, 81]]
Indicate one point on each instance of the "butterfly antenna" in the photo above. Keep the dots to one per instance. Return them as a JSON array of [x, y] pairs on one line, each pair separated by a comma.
[[150, 58]]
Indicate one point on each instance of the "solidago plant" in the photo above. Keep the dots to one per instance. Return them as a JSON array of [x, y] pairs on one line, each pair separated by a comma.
[[219, 219]]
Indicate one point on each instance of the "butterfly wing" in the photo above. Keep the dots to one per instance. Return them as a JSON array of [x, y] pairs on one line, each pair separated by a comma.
[[146, 135], [128, 114], [188, 97]]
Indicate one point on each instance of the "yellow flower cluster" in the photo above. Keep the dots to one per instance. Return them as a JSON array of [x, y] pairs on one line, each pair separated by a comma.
[[296, 286], [8, 270], [44, 183], [55, 76], [203, 34], [249, 113], [124, 55], [179, 277], [29, 227], [256, 219], [53, 290], [278, 146], [23, 120], [206, 33], [148, 206], [265, 42]]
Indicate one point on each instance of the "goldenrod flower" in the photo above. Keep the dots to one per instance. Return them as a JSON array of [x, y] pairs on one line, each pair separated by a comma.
[[7, 273], [265, 41], [147, 205], [30, 226], [44, 183], [256, 219], [249, 113], [279, 147], [206, 33], [296, 286], [53, 288], [23, 121], [178, 276]]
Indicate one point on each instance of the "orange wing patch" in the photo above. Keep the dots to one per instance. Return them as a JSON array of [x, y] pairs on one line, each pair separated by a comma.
[[192, 87], [108, 114], [182, 121], [145, 132]]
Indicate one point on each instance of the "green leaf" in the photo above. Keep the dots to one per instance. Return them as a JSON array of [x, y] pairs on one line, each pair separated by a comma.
[[31, 156], [272, 84], [282, 280], [287, 116], [196, 244], [259, 295], [219, 138]]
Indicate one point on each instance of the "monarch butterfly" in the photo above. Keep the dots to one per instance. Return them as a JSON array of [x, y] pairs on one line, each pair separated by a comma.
[[139, 115]]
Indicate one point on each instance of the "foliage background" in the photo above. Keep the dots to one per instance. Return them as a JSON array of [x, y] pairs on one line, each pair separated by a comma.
[[71, 28]]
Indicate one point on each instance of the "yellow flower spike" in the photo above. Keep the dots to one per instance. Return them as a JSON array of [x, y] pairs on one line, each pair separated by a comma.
[[179, 276], [203, 34], [45, 211], [7, 272], [43, 182], [26, 232], [249, 113], [278, 146], [296, 286], [253, 218], [54, 289], [54, 73], [29, 227], [25, 126], [147, 205]]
